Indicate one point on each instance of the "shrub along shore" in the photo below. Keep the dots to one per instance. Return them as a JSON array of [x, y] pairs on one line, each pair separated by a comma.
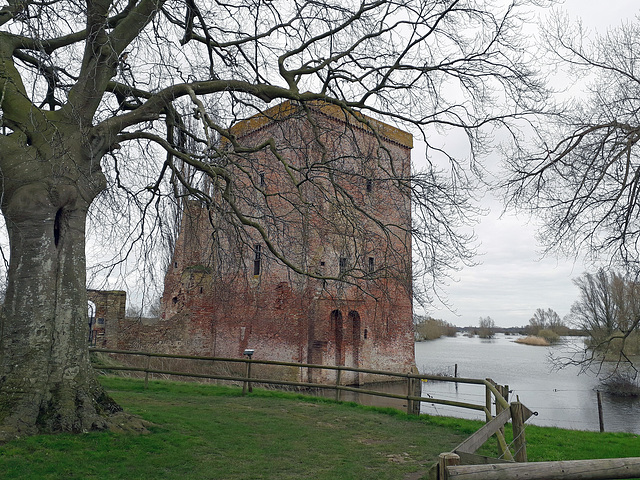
[[533, 340], [213, 432]]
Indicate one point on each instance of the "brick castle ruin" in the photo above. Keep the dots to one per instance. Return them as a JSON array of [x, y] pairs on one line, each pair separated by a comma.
[[225, 290]]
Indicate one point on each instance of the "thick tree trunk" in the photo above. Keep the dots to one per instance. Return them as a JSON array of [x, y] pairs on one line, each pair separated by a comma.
[[46, 381]]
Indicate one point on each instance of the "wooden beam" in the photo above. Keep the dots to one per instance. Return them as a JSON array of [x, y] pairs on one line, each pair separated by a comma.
[[503, 447], [475, 459], [475, 441], [601, 469]]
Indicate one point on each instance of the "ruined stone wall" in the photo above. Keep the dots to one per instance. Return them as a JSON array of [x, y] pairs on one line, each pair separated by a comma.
[[108, 318]]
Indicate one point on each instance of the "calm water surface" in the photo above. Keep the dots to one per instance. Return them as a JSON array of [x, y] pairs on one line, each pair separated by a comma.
[[562, 398]]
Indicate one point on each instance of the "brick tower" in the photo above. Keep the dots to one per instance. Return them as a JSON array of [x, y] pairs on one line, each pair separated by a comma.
[[330, 195]]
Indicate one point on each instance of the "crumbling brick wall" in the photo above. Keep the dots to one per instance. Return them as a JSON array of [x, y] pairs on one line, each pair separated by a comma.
[[108, 317]]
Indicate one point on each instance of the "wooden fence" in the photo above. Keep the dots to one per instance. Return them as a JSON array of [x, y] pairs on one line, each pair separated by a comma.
[[462, 462], [494, 394]]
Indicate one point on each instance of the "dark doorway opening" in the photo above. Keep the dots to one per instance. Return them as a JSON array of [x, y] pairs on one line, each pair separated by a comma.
[[356, 325], [336, 321]]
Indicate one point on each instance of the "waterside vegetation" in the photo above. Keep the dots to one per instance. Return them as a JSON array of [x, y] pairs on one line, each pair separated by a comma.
[[533, 340], [428, 328]]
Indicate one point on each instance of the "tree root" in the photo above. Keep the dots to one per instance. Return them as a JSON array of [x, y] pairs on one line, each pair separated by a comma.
[[119, 422], [67, 411]]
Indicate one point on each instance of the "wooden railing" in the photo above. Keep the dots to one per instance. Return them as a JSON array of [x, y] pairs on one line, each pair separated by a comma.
[[247, 378]]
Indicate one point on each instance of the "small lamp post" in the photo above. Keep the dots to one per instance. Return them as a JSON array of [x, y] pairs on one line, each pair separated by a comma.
[[248, 353]]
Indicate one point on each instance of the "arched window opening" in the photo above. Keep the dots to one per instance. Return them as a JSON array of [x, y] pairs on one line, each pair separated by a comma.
[[336, 321]]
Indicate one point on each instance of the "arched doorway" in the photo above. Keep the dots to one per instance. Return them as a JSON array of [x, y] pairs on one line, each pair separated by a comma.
[[356, 325], [336, 321]]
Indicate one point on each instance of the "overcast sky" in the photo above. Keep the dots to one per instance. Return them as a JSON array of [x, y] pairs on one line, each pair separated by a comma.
[[511, 280]]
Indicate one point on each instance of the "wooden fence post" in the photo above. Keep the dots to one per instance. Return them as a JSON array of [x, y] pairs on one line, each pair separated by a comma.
[[338, 392], [409, 393], [503, 390], [417, 392], [246, 382], [519, 440], [487, 401], [600, 414], [500, 432], [146, 372], [445, 460]]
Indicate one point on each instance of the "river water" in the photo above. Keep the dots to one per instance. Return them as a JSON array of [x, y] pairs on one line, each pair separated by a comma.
[[563, 398]]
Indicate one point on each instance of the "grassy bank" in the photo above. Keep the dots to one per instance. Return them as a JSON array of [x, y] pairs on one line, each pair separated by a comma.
[[206, 432]]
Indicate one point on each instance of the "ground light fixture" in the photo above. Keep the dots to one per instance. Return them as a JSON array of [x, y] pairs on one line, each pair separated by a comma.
[[248, 352]]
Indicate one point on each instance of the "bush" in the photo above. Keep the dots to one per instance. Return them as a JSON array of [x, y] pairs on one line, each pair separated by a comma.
[[427, 328], [549, 335], [450, 330], [621, 385], [611, 345], [533, 340]]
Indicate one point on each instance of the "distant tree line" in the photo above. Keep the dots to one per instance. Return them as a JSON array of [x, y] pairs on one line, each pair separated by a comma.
[[428, 328]]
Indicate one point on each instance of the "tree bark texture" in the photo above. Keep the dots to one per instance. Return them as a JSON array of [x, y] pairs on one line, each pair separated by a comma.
[[46, 381]]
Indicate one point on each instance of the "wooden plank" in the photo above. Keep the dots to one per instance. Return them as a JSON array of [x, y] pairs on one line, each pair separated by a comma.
[[475, 459], [503, 447], [450, 403], [475, 441], [601, 469]]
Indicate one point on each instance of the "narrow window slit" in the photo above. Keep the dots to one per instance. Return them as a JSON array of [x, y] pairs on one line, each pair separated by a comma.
[[257, 259]]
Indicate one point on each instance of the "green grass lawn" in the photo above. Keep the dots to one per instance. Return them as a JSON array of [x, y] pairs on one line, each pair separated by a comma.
[[208, 432]]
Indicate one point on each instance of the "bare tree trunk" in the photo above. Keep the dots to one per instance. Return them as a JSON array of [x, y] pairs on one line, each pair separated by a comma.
[[47, 383]]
